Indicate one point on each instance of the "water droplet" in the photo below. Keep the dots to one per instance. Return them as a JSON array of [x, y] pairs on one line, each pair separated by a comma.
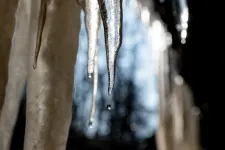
[[178, 80], [109, 107], [90, 124], [90, 75]]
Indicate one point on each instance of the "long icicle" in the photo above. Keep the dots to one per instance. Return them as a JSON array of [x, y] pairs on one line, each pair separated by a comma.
[[94, 90], [41, 23], [111, 13], [92, 21]]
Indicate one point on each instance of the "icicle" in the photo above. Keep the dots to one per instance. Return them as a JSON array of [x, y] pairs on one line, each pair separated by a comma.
[[92, 21], [181, 16], [41, 22], [111, 13], [94, 91], [185, 124]]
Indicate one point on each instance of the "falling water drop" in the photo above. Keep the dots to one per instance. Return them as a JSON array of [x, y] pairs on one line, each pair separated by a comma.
[[111, 13], [90, 75], [109, 107]]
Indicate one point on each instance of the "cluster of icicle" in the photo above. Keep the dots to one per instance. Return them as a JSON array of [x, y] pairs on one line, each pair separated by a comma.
[[110, 12], [111, 15], [178, 116]]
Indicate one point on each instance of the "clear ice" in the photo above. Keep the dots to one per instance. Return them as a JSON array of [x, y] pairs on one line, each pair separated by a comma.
[[92, 22], [111, 14], [94, 89]]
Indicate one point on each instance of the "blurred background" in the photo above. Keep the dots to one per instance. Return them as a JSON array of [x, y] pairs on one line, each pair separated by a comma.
[[148, 25]]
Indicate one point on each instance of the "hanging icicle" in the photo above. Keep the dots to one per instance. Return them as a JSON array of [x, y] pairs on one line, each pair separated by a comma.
[[184, 121], [92, 21], [94, 89], [181, 16], [41, 23], [111, 14]]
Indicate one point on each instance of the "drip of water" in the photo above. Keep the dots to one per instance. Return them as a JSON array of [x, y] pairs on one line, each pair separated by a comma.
[[109, 107], [90, 75]]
